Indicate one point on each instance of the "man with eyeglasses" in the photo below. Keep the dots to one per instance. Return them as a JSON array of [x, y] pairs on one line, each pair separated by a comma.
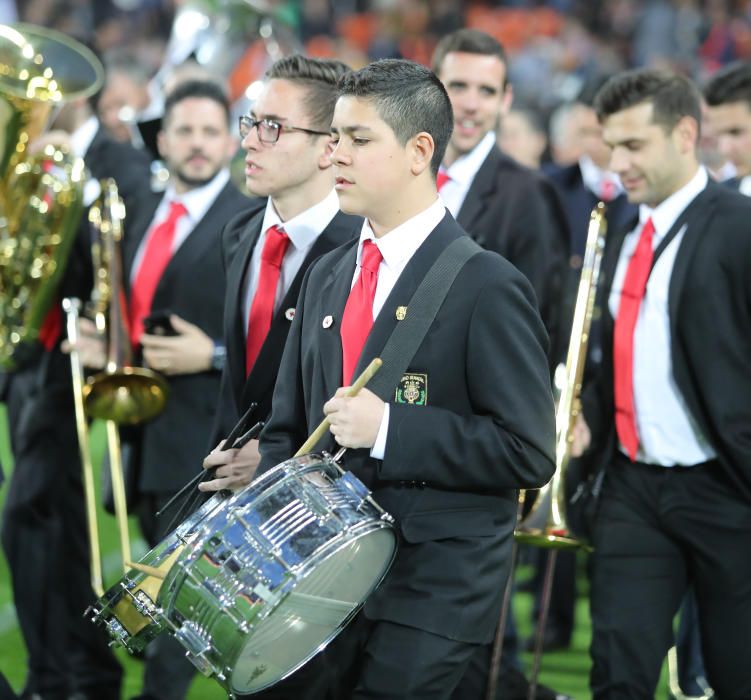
[[288, 144]]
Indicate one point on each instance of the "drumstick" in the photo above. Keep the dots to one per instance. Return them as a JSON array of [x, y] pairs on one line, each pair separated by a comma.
[[360, 382]]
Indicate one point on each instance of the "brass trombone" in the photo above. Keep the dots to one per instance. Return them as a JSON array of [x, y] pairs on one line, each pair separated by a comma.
[[545, 525], [120, 394]]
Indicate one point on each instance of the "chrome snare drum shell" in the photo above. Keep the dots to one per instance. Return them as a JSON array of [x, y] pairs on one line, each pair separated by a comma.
[[277, 572]]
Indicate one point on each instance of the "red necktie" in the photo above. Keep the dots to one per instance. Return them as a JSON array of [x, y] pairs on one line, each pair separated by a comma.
[[357, 319], [634, 286], [155, 258], [441, 179], [262, 308], [52, 326]]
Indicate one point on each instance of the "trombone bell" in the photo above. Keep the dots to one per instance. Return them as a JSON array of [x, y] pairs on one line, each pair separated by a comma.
[[127, 396]]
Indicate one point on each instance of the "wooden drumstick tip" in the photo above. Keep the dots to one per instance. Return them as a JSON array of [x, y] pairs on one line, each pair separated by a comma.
[[146, 569]]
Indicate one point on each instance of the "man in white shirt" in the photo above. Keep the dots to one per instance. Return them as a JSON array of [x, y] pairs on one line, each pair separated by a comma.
[[442, 466], [288, 147], [728, 98], [174, 285], [669, 411]]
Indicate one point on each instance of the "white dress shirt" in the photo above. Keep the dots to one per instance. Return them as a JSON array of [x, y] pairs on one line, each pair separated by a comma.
[[397, 248], [462, 173], [668, 434], [197, 202], [745, 186], [303, 230]]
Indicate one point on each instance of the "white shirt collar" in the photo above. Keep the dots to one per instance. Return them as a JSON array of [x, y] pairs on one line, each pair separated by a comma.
[[81, 138], [401, 243], [665, 214], [304, 228], [464, 168], [198, 200]]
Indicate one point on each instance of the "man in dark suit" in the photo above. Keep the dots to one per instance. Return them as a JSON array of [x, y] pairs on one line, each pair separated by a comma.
[[504, 206], [669, 411], [728, 98], [447, 470], [44, 527], [174, 283], [288, 145]]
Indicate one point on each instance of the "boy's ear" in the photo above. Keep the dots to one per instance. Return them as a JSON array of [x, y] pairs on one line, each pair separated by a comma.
[[422, 150]]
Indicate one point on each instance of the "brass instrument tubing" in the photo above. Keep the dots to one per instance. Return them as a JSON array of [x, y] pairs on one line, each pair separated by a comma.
[[71, 307]]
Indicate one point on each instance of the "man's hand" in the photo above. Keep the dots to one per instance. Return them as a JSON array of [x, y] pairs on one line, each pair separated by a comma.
[[235, 469], [582, 437], [55, 137], [91, 346], [355, 420], [188, 352]]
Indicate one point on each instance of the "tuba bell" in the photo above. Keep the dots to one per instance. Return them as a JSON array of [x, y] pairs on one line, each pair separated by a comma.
[[41, 195]]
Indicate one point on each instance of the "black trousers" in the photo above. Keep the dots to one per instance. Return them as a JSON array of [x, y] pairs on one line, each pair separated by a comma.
[[45, 541], [658, 531], [379, 660]]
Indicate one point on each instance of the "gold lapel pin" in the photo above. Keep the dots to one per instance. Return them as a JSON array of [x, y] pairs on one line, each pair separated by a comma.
[[401, 313]]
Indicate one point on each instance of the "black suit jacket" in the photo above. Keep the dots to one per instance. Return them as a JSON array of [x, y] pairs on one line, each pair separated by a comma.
[[238, 391], [516, 212], [171, 447], [578, 202], [487, 429], [709, 303]]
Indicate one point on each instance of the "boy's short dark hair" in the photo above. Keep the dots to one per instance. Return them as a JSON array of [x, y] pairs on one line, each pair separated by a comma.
[[196, 88], [672, 96], [729, 84], [468, 41], [319, 77], [408, 97]]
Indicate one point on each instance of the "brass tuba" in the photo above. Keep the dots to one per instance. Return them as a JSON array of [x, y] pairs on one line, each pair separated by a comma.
[[545, 525], [41, 195]]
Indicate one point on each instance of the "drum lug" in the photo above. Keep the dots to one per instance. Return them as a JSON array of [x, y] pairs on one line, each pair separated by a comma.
[[197, 642], [354, 487]]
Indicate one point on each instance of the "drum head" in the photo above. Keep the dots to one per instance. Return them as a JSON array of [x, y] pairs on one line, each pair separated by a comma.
[[314, 612]]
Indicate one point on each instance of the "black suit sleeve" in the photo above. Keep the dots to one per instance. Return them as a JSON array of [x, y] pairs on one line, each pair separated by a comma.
[[511, 425]]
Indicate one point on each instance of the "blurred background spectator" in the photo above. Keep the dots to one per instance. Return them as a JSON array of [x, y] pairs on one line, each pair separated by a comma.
[[556, 46]]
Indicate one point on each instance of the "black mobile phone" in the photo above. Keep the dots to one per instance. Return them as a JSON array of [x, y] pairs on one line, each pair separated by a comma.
[[158, 323]]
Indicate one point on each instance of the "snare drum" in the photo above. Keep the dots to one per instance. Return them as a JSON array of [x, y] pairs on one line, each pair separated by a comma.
[[276, 572]]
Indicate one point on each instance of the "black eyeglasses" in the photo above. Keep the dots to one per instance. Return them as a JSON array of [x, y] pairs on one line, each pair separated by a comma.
[[269, 130]]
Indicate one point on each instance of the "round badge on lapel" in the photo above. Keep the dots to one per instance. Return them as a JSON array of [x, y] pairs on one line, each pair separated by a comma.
[[289, 314], [328, 321]]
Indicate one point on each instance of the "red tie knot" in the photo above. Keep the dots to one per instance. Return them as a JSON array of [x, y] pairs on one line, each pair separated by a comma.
[[648, 231], [275, 246], [176, 211], [441, 179], [371, 257]]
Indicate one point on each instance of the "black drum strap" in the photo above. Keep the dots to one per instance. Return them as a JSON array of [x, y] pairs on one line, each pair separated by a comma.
[[428, 298]]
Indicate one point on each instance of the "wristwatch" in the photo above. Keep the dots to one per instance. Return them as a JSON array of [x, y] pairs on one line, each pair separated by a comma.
[[218, 356]]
